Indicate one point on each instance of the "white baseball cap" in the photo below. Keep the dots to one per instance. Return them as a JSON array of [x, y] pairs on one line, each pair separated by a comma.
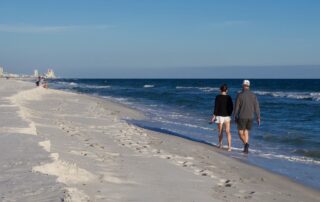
[[246, 83]]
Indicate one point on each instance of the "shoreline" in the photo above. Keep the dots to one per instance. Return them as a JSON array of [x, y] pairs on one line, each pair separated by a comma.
[[231, 155], [201, 142], [140, 116], [219, 176]]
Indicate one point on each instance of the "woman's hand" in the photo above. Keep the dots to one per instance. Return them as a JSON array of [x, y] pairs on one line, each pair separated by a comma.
[[213, 119]]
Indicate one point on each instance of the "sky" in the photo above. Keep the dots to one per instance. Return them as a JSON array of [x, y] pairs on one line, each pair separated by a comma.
[[162, 39]]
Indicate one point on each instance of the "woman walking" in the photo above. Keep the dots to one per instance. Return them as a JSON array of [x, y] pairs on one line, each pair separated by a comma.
[[223, 108]]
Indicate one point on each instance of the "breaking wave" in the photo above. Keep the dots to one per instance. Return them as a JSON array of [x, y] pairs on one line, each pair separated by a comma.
[[96, 86], [148, 86], [204, 89], [291, 95]]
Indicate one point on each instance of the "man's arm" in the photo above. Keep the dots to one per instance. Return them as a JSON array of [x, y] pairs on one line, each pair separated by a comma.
[[257, 109], [236, 107]]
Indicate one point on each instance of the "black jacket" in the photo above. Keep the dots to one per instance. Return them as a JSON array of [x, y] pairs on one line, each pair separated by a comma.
[[223, 105]]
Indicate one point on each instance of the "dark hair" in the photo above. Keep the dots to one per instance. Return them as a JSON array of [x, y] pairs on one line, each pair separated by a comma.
[[223, 88]]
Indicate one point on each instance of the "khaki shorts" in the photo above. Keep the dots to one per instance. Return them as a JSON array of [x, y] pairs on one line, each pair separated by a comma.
[[244, 124]]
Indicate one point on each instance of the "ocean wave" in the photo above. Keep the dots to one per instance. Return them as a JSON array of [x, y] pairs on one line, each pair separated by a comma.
[[291, 95], [309, 153], [63, 82], [148, 86], [73, 84], [185, 124], [120, 100], [293, 158], [290, 158], [67, 83], [204, 89], [95, 86], [292, 139]]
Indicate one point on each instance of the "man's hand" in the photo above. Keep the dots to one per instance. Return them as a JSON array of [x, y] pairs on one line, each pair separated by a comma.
[[258, 121]]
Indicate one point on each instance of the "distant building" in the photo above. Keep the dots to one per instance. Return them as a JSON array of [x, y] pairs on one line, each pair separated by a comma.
[[1, 71], [35, 73], [50, 74]]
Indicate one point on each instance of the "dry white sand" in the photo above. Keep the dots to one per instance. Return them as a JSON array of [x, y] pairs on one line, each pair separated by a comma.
[[63, 146]]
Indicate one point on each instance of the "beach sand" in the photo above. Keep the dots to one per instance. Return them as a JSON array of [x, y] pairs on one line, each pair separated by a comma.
[[62, 146]]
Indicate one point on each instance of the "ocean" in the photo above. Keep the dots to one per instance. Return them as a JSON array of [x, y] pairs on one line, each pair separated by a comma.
[[287, 142]]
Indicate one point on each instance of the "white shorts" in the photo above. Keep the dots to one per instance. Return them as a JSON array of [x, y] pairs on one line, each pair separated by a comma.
[[222, 119]]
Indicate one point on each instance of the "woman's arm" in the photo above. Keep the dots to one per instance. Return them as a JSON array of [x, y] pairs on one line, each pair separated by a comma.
[[215, 110]]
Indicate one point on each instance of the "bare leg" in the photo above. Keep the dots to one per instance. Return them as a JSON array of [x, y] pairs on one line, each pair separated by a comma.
[[242, 136], [220, 131], [246, 135], [227, 125]]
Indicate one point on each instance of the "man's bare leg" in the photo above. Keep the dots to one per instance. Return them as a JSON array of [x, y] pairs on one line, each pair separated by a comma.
[[246, 143], [246, 135], [242, 136]]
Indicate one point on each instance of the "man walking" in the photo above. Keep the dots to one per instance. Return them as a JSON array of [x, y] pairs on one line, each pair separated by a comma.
[[246, 107]]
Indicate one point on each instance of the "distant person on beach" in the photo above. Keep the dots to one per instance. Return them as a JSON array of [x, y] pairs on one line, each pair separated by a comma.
[[223, 108], [44, 83], [246, 107], [38, 81]]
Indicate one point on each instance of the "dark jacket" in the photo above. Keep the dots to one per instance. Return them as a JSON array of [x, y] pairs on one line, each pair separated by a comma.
[[247, 105], [223, 105]]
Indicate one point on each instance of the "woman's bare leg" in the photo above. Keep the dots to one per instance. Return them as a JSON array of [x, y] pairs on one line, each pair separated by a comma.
[[220, 131], [227, 125]]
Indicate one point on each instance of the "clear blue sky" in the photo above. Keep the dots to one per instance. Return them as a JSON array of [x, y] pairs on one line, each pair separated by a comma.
[[163, 38]]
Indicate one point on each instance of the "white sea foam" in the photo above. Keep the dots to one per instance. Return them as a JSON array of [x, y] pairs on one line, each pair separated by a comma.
[[68, 84], [316, 96], [204, 89], [175, 115], [292, 95], [118, 100], [208, 89], [299, 159], [73, 84], [184, 124], [96, 86], [148, 86], [63, 83], [184, 87]]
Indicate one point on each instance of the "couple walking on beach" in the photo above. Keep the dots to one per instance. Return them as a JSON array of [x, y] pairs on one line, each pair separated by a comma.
[[246, 107]]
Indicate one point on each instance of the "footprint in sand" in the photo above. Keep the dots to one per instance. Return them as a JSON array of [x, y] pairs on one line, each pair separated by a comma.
[[184, 163], [205, 172], [228, 183]]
